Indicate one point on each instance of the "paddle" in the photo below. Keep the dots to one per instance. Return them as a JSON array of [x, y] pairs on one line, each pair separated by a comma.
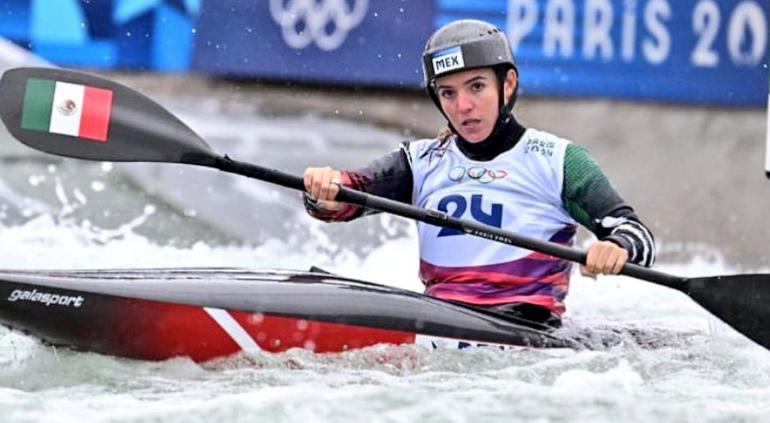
[[140, 130]]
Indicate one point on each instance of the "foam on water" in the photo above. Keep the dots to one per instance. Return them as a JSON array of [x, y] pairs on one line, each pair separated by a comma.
[[694, 375]]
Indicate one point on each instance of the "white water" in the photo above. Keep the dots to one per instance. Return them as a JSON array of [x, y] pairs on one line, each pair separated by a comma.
[[705, 375]]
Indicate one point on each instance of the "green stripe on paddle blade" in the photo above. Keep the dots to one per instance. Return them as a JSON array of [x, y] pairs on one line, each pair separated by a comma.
[[38, 98]]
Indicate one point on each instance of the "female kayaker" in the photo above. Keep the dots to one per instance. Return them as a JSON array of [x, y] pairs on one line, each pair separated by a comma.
[[489, 168]]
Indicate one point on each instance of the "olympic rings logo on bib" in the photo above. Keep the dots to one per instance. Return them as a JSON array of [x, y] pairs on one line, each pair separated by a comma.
[[476, 173], [325, 22]]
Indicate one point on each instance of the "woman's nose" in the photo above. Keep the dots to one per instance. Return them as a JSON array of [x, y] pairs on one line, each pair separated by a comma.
[[464, 101]]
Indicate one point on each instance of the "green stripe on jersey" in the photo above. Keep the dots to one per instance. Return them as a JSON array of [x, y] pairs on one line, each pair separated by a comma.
[[38, 100]]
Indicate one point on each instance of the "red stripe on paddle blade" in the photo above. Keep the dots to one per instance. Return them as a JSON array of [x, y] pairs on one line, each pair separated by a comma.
[[97, 107]]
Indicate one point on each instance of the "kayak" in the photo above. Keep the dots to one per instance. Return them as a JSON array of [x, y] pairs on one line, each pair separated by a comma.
[[209, 313]]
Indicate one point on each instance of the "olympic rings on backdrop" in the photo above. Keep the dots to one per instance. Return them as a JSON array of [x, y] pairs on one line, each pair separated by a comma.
[[476, 173], [327, 22]]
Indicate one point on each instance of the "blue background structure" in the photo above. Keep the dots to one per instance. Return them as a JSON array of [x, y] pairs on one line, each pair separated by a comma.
[[690, 51], [127, 34]]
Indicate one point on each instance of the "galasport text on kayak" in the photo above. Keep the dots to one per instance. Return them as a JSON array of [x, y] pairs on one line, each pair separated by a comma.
[[46, 298]]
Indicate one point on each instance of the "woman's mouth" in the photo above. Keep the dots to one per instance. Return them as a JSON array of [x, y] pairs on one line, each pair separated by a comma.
[[473, 130], [471, 123]]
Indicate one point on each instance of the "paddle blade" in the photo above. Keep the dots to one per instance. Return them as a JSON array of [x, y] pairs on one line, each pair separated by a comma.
[[742, 301], [74, 114]]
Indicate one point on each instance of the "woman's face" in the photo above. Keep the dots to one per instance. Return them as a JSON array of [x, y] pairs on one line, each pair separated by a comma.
[[469, 99]]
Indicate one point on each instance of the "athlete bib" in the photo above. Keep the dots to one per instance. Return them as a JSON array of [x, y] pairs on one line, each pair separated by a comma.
[[519, 191]]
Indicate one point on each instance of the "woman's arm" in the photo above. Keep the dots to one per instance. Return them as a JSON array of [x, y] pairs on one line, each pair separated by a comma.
[[389, 176], [591, 199]]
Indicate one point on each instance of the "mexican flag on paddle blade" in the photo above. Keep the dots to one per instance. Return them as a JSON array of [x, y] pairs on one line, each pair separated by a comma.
[[67, 109]]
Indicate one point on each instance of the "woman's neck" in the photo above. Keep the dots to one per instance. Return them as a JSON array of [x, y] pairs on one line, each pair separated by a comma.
[[503, 138]]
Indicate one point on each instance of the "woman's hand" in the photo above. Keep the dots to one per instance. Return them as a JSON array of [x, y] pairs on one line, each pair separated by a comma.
[[322, 185], [605, 258]]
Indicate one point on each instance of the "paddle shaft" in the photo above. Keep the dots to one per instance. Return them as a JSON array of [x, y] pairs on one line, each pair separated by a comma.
[[437, 218]]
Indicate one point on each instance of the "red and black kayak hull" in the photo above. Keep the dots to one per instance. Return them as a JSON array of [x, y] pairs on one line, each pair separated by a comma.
[[156, 314]]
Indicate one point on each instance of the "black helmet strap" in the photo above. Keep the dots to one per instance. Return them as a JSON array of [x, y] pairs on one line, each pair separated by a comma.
[[505, 109]]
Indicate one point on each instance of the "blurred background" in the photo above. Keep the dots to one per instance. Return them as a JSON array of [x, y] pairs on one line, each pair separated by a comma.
[[670, 96]]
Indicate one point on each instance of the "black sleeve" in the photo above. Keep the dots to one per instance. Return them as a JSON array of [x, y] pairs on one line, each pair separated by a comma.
[[389, 176]]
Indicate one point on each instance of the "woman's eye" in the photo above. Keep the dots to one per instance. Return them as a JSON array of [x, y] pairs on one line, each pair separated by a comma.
[[446, 94], [477, 86]]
